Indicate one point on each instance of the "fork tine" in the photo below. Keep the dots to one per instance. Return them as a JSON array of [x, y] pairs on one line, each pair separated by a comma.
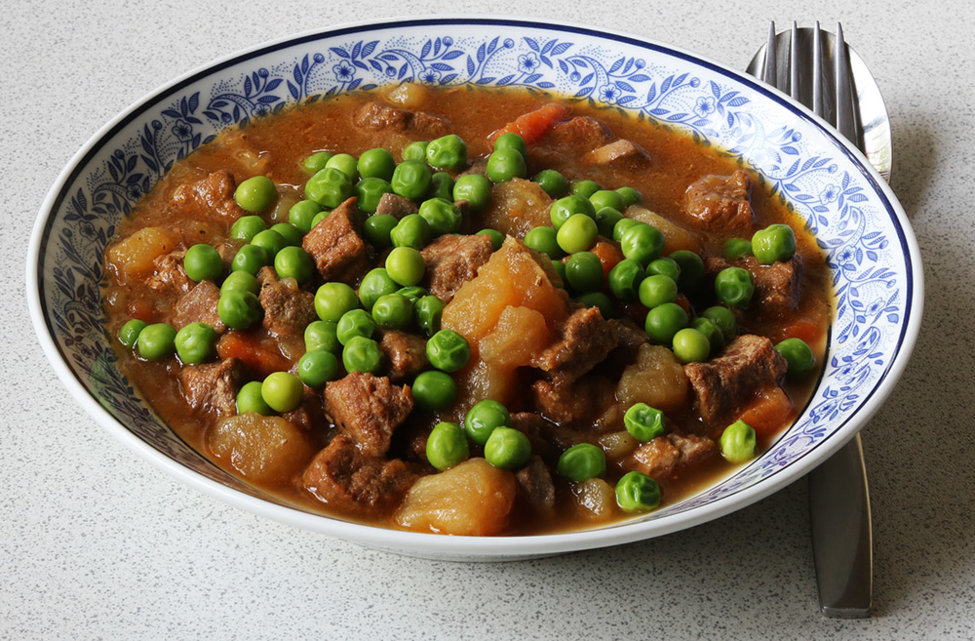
[[818, 100], [770, 73], [846, 101], [794, 67]]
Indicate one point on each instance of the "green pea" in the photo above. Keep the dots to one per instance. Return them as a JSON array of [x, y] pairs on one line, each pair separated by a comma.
[[441, 186], [376, 163], [644, 423], [332, 300], [302, 213], [355, 322], [377, 282], [630, 196], [735, 248], [246, 227], [128, 333], [656, 290], [497, 238], [411, 231], [321, 335], [581, 462], [330, 187], [282, 391], [642, 243], [256, 194], [598, 300], [606, 219], [447, 152], [250, 259], [691, 346], [738, 442], [565, 207], [585, 188], [416, 151], [606, 198], [724, 319], [362, 354], [734, 287], [504, 165], [441, 215], [434, 391], [637, 492], [377, 228], [271, 241], [315, 162], [429, 309], [544, 239], [411, 179], [507, 448], [317, 367], [475, 189], [291, 234], [202, 262], [510, 141], [368, 191], [663, 321], [249, 399], [294, 262], [405, 265], [413, 293], [393, 310], [711, 332], [584, 271], [195, 343], [346, 163], [155, 341], [691, 269], [448, 351], [239, 310], [446, 446], [777, 242], [622, 225], [559, 268], [552, 182], [625, 278], [577, 233], [665, 267], [240, 281], [483, 417], [797, 355]]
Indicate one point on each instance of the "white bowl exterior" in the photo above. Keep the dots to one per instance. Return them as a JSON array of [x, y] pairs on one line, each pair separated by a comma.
[[872, 253]]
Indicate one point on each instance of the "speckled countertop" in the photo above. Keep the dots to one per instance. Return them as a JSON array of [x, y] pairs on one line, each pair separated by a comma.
[[97, 544]]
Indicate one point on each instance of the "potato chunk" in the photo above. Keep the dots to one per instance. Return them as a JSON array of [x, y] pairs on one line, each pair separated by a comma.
[[520, 333], [132, 257], [517, 205], [656, 378], [675, 236], [261, 448], [470, 499]]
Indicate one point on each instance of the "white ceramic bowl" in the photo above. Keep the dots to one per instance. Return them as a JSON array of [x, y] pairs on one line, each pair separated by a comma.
[[872, 252]]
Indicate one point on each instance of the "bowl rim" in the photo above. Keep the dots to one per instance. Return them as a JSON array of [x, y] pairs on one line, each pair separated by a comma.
[[465, 547]]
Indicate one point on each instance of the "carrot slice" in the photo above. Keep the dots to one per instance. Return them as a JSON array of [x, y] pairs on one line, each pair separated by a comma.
[[609, 255], [769, 412], [533, 125], [252, 353], [808, 331]]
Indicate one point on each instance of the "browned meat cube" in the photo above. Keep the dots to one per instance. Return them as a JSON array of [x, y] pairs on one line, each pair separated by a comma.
[[336, 246], [405, 352], [629, 335], [535, 485], [777, 286], [309, 413], [586, 340], [211, 194], [619, 152], [726, 383], [367, 408], [287, 309], [665, 456], [376, 116], [453, 260], [199, 305], [581, 134], [395, 206], [548, 440], [168, 273], [721, 203], [211, 387], [347, 479], [577, 404]]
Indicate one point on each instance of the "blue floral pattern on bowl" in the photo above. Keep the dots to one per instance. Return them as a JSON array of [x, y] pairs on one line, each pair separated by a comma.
[[860, 228]]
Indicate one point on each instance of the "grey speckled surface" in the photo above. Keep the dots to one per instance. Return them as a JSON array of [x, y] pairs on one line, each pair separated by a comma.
[[95, 543]]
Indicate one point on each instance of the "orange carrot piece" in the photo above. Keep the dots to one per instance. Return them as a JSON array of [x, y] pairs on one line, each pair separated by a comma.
[[769, 412], [252, 353], [812, 333], [609, 255], [533, 125]]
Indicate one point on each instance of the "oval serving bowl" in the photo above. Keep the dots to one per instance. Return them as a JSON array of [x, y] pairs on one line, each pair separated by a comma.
[[873, 256]]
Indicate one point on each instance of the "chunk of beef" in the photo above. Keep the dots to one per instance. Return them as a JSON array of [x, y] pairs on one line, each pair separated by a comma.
[[535, 485], [168, 273], [667, 456], [287, 309], [212, 194], [395, 206], [405, 352], [310, 413], [211, 388], [336, 246], [367, 408], [581, 134], [619, 153], [721, 203], [629, 335], [586, 340], [376, 116], [349, 480], [453, 260], [576, 404], [547, 439], [777, 286], [199, 305], [746, 366]]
